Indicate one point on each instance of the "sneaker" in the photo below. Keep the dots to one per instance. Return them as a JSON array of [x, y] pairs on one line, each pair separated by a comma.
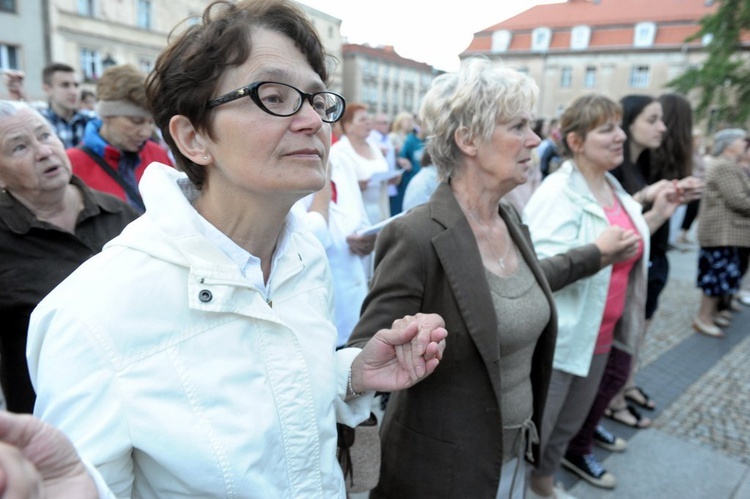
[[588, 468], [605, 439]]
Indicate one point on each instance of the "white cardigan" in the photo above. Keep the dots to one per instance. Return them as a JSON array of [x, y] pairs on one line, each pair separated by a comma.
[[175, 377], [563, 214]]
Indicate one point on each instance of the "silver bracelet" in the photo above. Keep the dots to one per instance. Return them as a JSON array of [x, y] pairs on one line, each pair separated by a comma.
[[349, 387]]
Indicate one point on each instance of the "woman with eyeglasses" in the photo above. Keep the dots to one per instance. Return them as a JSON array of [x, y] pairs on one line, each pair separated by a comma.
[[195, 357]]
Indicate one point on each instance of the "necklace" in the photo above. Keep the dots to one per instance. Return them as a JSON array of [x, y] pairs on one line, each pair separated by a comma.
[[500, 259]]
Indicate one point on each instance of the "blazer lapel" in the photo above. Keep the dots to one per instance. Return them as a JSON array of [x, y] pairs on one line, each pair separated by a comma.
[[520, 234], [459, 256]]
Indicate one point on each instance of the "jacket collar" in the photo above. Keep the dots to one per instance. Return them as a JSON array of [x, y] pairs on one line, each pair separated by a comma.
[[20, 220], [459, 256]]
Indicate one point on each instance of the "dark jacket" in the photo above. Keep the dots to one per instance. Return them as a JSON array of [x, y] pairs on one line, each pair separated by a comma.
[[443, 437], [35, 257]]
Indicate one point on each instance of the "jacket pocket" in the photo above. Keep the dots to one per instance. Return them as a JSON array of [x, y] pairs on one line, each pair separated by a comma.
[[411, 462]]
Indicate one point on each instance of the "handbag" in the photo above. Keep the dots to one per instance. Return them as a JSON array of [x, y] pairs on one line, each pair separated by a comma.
[[358, 453]]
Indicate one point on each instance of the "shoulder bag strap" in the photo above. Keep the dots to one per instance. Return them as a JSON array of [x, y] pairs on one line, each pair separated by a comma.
[[132, 193]]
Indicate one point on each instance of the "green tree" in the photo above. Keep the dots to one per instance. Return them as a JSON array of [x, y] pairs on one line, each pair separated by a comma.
[[723, 81]]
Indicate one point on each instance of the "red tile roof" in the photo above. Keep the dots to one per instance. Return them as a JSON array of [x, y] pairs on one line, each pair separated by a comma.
[[606, 12], [612, 23]]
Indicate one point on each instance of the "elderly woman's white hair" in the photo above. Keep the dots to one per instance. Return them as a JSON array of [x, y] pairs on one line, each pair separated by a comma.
[[723, 138], [11, 107], [478, 96]]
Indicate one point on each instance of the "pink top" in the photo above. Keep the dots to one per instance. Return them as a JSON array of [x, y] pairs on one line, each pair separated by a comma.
[[618, 283]]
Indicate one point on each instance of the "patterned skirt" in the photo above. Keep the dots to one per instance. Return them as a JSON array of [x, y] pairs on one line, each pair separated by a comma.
[[720, 269]]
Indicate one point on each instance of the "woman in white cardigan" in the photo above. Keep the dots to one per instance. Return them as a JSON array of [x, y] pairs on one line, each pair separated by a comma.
[[572, 207]]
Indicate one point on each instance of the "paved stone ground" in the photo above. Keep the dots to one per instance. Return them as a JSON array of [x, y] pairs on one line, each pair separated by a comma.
[[699, 445], [678, 304], [715, 411]]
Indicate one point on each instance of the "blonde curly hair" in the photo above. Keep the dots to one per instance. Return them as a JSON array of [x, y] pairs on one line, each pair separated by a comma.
[[478, 96]]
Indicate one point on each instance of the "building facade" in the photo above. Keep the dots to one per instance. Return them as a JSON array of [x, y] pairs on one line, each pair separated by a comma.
[[17, 18], [616, 47], [385, 81], [329, 31], [91, 35]]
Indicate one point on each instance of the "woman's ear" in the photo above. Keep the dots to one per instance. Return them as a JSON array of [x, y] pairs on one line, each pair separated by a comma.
[[575, 142], [466, 141], [189, 141]]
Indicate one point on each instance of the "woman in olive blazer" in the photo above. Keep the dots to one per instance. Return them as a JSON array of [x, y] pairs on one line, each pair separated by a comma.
[[444, 437]]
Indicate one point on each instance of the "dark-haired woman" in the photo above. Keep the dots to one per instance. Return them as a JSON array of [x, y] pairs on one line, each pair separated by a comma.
[[203, 363]]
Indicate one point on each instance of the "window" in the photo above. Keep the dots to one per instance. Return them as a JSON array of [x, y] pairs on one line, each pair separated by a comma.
[[7, 5], [566, 76], [87, 8], [579, 37], [644, 34], [501, 40], [144, 14], [91, 64], [639, 76], [589, 79], [8, 56], [540, 39], [408, 102]]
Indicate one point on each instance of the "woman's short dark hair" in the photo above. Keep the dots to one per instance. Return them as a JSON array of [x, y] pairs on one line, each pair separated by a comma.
[[187, 73]]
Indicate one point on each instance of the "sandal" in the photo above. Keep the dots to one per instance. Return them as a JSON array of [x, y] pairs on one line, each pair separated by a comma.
[[629, 416], [637, 395]]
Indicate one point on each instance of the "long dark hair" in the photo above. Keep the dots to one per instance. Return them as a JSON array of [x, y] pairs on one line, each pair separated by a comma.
[[633, 173], [674, 158]]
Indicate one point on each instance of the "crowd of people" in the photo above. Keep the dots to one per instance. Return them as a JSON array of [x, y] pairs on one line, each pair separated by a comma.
[[203, 277]]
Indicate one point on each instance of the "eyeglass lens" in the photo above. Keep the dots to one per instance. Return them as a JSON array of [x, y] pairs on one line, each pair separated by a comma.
[[284, 100]]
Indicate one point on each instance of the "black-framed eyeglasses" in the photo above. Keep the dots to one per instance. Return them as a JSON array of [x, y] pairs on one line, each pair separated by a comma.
[[280, 99]]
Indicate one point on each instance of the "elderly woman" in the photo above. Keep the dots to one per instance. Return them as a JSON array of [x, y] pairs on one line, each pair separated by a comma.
[[467, 255], [117, 148], [204, 365], [603, 310], [724, 228], [50, 223]]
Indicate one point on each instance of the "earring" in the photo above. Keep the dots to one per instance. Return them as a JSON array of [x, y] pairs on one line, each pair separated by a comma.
[[205, 158]]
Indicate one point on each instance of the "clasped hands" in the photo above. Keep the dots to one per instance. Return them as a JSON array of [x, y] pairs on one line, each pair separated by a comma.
[[400, 357]]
